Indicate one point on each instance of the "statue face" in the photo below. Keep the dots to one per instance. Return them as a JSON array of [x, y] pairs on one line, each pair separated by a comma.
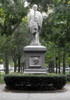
[[35, 7]]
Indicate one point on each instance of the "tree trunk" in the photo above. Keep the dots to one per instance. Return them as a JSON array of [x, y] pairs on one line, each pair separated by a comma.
[[52, 65], [15, 65], [64, 61], [59, 62], [14, 57], [56, 65], [6, 63], [18, 64], [21, 68]]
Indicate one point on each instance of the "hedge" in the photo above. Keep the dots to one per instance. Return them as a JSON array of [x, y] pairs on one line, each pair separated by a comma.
[[68, 78], [35, 82]]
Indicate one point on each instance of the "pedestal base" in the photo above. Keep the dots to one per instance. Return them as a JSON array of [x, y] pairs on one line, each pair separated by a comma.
[[35, 71], [35, 59]]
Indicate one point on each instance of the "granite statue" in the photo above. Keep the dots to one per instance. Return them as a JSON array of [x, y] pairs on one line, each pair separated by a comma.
[[35, 62], [35, 24]]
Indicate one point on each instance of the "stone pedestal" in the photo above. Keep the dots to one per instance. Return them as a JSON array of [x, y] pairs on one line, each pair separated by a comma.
[[35, 59]]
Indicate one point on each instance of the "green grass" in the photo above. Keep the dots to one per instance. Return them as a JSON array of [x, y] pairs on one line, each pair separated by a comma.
[[68, 82], [2, 77]]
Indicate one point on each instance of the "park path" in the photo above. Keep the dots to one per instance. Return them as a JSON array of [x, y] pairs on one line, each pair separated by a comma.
[[40, 95]]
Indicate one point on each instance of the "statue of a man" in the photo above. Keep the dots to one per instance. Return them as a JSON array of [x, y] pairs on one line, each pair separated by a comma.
[[35, 24]]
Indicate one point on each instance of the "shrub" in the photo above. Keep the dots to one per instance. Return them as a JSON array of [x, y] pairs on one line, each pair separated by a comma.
[[38, 82], [68, 78]]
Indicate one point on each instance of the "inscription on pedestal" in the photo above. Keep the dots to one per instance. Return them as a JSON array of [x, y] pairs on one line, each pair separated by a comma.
[[34, 61]]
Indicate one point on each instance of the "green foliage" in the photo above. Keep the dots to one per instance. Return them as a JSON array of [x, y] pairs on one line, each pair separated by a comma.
[[12, 14], [19, 39], [56, 30], [57, 26], [43, 4], [14, 33], [35, 82]]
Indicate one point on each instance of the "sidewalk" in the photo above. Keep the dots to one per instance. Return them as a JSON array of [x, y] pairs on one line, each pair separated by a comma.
[[39, 95]]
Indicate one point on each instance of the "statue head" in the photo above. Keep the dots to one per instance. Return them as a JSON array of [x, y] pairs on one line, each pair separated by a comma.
[[35, 7]]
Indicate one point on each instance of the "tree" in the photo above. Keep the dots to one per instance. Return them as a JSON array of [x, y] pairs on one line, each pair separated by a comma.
[[20, 38], [57, 26], [12, 13]]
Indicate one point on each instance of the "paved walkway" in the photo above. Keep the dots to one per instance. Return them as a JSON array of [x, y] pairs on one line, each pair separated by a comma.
[[40, 95]]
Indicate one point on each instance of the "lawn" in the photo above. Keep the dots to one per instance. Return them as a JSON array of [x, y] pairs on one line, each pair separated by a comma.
[[68, 82], [2, 77]]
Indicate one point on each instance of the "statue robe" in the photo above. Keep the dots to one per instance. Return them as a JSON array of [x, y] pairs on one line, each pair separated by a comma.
[[35, 25]]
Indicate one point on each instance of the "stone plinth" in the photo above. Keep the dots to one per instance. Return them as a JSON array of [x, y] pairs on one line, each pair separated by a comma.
[[35, 59]]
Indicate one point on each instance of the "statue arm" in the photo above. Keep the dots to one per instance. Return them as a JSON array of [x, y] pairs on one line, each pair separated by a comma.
[[40, 20]]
